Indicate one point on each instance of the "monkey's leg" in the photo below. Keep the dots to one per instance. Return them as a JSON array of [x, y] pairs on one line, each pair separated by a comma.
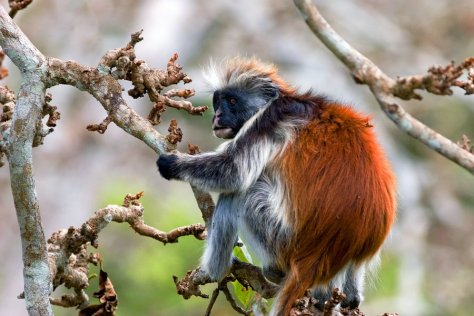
[[322, 294], [222, 236], [353, 286], [350, 283]]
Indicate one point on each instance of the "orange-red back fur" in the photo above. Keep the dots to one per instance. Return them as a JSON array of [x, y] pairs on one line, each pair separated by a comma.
[[342, 195]]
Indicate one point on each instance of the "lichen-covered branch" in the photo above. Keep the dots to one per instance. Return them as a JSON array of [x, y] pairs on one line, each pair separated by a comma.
[[64, 260], [439, 80], [67, 249], [123, 64], [108, 91], [102, 83], [465, 143], [39, 73], [250, 275], [305, 306], [26, 118]]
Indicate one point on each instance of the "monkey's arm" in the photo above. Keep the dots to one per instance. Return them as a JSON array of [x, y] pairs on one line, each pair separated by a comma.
[[235, 168]]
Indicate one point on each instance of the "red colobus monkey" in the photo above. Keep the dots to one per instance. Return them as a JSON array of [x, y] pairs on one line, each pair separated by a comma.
[[302, 180]]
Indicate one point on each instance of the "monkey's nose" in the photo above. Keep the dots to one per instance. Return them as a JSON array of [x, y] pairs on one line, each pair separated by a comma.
[[218, 115]]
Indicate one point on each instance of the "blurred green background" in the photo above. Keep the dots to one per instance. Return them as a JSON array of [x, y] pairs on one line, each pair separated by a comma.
[[428, 261]]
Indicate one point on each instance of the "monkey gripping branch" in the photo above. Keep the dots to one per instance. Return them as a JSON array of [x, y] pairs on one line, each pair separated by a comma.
[[42, 260]]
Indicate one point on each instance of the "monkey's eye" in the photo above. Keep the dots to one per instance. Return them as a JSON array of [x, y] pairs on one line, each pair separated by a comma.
[[233, 101]]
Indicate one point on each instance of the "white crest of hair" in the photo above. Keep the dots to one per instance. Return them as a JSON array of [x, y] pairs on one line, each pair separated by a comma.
[[212, 74], [238, 71]]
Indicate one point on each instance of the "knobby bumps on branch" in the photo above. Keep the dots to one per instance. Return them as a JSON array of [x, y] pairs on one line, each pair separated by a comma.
[[17, 5], [439, 80], [67, 249], [7, 108], [122, 64], [7, 103]]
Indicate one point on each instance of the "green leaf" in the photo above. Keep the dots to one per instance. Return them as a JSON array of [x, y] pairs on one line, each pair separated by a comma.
[[245, 296], [242, 253]]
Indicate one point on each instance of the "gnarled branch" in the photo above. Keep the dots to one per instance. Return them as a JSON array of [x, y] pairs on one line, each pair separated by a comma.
[[385, 89], [67, 256]]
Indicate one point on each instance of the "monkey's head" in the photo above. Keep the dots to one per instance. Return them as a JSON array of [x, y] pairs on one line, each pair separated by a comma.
[[241, 88]]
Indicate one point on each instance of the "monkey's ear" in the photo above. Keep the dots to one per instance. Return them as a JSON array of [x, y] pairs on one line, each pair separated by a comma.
[[272, 92]]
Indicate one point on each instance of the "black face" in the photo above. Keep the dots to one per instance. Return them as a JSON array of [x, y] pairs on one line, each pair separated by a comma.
[[232, 108]]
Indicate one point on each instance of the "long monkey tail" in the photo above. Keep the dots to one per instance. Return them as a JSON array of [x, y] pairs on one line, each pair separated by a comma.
[[294, 287]]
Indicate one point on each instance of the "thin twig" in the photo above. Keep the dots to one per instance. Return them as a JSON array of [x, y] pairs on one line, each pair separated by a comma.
[[232, 301], [212, 301], [17, 5]]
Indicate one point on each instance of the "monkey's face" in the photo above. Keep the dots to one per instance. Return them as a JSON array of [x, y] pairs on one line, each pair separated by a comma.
[[232, 108]]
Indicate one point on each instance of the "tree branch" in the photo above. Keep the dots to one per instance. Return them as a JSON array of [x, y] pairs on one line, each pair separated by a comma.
[[17, 5], [67, 248], [245, 273], [385, 88], [102, 82], [26, 119]]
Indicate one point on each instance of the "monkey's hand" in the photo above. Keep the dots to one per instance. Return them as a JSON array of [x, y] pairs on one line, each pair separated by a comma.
[[168, 166]]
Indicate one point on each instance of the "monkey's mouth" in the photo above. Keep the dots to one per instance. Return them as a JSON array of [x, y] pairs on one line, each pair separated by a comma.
[[223, 132]]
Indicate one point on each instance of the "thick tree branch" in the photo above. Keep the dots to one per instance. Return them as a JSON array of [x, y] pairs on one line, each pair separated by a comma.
[[385, 88], [26, 119]]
